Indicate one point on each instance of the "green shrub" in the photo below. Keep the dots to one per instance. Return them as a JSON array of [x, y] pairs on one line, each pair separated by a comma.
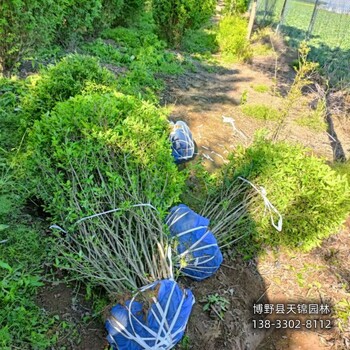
[[58, 83], [312, 198], [130, 10], [110, 11], [200, 41], [105, 52], [25, 25], [261, 112], [117, 12], [78, 21], [235, 6], [232, 38], [174, 17], [98, 151]]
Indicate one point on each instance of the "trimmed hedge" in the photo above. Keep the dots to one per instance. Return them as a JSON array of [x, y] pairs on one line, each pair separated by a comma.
[[98, 152]]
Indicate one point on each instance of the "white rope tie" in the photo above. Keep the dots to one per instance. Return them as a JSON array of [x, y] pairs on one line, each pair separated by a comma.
[[103, 213], [268, 205]]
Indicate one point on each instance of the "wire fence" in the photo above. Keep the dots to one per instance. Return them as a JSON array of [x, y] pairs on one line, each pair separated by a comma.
[[324, 24]]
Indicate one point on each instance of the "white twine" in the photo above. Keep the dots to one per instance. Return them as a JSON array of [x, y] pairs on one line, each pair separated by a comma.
[[164, 338], [232, 122], [188, 142], [103, 213], [268, 205], [192, 263]]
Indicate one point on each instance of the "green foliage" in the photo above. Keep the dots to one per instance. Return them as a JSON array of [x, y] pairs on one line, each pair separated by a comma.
[[130, 9], [78, 21], [261, 88], [232, 38], [216, 303], [235, 6], [92, 146], [244, 97], [342, 312], [22, 323], [259, 111], [11, 93], [25, 25], [145, 57], [185, 343], [174, 17], [117, 12], [311, 197], [342, 168], [110, 11], [316, 119], [58, 83], [202, 41], [107, 53]]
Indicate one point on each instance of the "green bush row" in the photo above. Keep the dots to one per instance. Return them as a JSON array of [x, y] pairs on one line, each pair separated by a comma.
[[27, 25]]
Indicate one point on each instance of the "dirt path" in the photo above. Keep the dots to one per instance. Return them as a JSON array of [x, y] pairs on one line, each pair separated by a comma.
[[204, 97]]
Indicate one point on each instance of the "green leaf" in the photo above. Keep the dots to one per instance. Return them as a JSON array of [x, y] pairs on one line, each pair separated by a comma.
[[3, 227], [5, 266]]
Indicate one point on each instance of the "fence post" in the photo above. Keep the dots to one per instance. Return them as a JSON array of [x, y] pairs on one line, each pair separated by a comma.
[[252, 19], [282, 14], [312, 22]]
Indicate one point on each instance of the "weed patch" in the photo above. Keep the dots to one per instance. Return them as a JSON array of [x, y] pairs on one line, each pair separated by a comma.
[[316, 119], [232, 39], [261, 88], [262, 112], [22, 249]]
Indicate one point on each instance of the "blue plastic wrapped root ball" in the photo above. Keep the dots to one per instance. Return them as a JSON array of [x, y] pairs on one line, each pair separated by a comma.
[[182, 142], [199, 256], [156, 320]]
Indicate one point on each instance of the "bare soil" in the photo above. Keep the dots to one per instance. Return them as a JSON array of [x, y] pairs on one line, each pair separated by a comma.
[[70, 306]]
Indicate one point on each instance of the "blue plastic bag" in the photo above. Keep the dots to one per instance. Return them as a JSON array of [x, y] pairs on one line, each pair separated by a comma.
[[182, 142], [199, 256], [158, 323]]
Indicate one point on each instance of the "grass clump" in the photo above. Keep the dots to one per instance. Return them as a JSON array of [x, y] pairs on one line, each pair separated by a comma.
[[261, 88], [312, 198], [316, 120], [22, 250], [232, 39], [201, 41], [260, 111], [145, 58]]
